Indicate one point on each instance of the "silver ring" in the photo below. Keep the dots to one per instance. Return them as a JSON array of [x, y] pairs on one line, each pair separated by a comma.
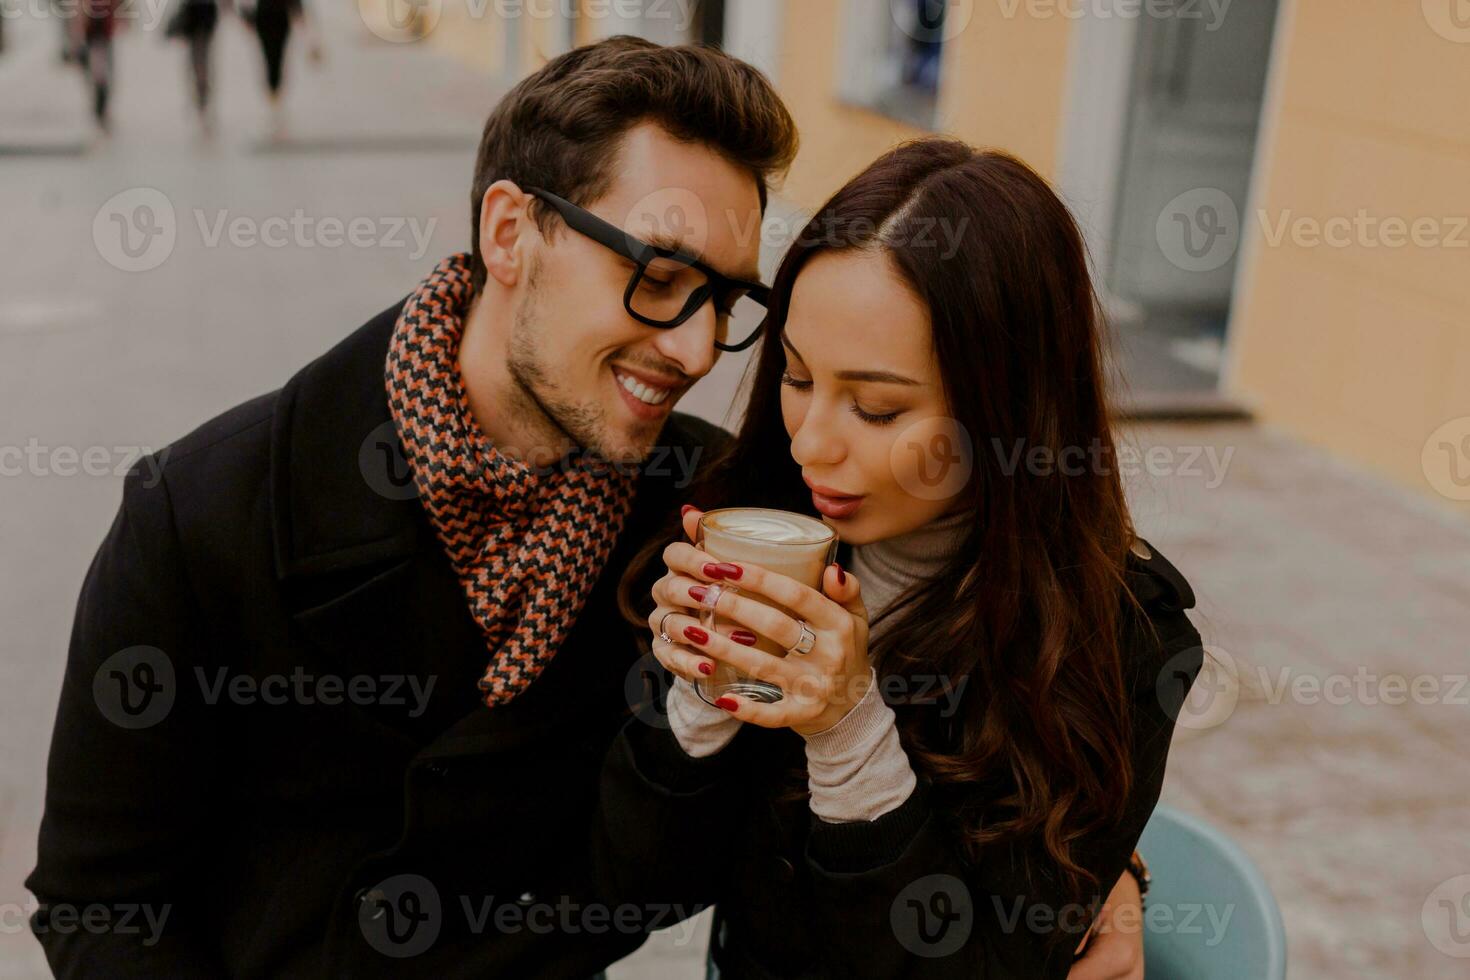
[[663, 634], [806, 642]]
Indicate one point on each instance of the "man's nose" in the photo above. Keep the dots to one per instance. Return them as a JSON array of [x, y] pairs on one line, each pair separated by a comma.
[[691, 344]]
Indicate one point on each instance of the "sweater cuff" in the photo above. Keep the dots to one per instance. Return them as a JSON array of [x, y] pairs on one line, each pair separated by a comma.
[[858, 769], [700, 727]]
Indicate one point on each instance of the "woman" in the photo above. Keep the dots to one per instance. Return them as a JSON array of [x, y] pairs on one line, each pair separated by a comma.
[[963, 762]]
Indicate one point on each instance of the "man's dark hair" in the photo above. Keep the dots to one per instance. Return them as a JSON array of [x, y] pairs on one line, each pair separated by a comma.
[[560, 127]]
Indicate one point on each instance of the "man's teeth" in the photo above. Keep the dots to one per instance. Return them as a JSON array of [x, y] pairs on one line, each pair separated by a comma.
[[641, 391]]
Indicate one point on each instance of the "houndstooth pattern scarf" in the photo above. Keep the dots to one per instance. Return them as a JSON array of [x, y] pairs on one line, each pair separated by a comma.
[[527, 546]]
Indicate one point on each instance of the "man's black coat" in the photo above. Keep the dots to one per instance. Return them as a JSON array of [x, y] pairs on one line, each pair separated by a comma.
[[271, 757]]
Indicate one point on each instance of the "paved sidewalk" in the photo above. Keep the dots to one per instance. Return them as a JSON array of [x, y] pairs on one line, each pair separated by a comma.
[[1355, 811]]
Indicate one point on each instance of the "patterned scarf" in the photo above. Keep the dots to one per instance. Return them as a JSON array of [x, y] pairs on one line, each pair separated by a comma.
[[527, 546]]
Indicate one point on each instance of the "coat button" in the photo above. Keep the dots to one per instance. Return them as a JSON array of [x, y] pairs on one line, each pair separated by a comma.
[[784, 870], [437, 769], [525, 898], [366, 896]]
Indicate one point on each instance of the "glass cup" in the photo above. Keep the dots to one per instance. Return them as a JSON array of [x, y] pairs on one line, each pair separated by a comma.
[[779, 541]]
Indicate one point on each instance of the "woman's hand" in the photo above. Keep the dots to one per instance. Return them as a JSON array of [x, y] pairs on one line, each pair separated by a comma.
[[671, 599], [1114, 947], [820, 686]]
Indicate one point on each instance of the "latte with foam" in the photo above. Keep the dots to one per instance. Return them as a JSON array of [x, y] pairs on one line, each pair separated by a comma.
[[779, 541]]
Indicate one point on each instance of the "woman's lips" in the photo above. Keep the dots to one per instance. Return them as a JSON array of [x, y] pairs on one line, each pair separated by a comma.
[[835, 507]]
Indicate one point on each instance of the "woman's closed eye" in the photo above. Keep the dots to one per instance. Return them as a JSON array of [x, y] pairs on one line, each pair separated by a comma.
[[872, 418], [875, 418]]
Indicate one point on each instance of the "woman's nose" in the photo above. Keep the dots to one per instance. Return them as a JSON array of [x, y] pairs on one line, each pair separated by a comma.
[[816, 441]]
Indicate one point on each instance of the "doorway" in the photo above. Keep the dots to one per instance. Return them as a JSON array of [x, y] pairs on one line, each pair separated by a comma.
[[1161, 143]]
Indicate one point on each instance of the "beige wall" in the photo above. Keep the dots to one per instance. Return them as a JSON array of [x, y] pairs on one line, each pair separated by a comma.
[[1002, 86], [1363, 350]]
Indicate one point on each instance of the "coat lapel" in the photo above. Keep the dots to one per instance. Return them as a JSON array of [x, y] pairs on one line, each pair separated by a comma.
[[368, 584]]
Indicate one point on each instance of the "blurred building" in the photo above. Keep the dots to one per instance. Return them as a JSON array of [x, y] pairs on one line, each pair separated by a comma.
[[1278, 224]]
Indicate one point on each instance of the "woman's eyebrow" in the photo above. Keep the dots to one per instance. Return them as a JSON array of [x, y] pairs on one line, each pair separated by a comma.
[[880, 377]]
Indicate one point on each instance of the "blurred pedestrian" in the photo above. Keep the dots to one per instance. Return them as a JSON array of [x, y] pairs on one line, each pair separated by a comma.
[[194, 22], [273, 21], [91, 33]]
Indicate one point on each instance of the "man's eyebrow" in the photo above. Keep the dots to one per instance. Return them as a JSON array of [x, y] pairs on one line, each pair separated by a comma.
[[880, 377], [674, 245]]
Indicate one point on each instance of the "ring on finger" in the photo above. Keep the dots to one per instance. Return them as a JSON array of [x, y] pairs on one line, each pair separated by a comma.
[[805, 642], [712, 593], [663, 634]]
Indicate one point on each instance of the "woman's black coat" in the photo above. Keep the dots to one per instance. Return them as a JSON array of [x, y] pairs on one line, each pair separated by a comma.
[[888, 898]]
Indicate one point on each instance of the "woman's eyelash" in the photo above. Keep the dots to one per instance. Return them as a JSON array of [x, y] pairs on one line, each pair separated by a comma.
[[799, 385], [871, 419]]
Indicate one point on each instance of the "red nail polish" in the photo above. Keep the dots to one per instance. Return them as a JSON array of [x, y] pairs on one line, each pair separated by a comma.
[[706, 669], [684, 511], [723, 570], [729, 704], [841, 575], [743, 637], [696, 634], [698, 592]]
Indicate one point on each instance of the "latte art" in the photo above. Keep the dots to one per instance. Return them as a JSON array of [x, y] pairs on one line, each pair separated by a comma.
[[770, 525]]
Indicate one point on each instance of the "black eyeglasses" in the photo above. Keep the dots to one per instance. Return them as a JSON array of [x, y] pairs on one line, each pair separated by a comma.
[[667, 285]]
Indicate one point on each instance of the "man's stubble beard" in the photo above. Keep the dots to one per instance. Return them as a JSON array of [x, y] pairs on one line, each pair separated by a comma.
[[538, 395]]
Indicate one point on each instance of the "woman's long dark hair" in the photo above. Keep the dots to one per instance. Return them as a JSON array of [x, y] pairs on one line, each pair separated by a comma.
[[1030, 609]]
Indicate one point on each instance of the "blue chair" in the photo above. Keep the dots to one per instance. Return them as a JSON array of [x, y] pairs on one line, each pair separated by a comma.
[[1200, 877]]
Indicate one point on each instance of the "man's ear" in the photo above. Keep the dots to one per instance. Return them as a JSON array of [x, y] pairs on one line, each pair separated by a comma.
[[504, 225]]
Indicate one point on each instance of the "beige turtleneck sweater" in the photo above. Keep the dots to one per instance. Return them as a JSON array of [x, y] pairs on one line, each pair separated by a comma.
[[857, 769]]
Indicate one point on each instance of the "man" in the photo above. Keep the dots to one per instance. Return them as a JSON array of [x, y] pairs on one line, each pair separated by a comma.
[[343, 673]]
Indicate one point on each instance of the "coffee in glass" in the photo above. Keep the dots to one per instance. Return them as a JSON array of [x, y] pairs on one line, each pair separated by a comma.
[[779, 541]]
